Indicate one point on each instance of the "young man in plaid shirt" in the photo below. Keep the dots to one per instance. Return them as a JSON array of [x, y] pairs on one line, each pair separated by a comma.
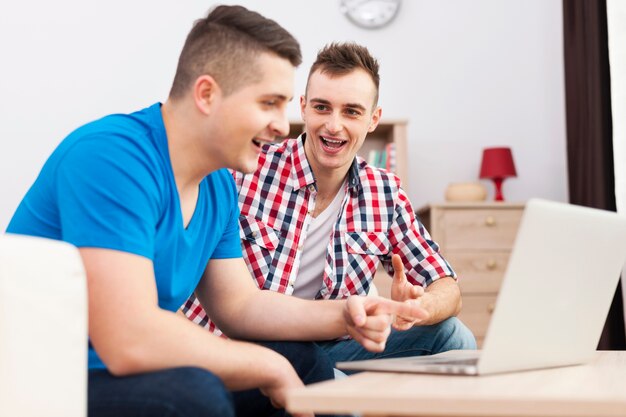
[[316, 220]]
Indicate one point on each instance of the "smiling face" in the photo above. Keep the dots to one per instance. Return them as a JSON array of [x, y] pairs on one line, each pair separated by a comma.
[[252, 115], [338, 111]]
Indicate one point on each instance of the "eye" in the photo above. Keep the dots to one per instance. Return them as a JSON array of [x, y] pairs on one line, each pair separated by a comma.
[[270, 103], [320, 107], [353, 112]]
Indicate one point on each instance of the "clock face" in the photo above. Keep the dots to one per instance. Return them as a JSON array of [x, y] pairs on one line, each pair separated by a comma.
[[370, 14]]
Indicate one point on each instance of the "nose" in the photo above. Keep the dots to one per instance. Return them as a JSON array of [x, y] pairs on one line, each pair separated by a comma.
[[333, 123], [280, 126]]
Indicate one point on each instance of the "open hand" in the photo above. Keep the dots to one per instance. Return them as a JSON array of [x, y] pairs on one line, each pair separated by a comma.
[[403, 290]]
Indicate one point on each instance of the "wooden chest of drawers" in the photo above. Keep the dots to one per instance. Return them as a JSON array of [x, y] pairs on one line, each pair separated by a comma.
[[476, 239]]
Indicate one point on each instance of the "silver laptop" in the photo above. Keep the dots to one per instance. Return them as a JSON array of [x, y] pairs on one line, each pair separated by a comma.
[[554, 300]]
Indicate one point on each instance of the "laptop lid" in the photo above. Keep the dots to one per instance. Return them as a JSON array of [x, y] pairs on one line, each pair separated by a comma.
[[558, 288]]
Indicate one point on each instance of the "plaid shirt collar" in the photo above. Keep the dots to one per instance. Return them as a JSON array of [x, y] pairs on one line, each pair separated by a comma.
[[302, 174]]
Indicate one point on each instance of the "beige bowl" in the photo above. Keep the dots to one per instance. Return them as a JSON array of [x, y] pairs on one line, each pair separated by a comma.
[[466, 191]]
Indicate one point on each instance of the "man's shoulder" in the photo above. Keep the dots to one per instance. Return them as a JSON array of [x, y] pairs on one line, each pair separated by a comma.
[[117, 131], [274, 167], [277, 150], [275, 157], [373, 176], [142, 120]]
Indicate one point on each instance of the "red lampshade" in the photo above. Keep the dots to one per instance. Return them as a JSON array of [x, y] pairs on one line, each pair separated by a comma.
[[497, 163]]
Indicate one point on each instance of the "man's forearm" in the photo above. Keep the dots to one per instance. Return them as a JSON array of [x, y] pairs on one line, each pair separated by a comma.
[[168, 341], [442, 299], [288, 318]]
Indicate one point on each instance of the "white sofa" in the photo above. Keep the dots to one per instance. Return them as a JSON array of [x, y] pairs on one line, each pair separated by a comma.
[[43, 329]]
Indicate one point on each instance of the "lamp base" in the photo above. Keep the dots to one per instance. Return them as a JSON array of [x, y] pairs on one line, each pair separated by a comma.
[[498, 192]]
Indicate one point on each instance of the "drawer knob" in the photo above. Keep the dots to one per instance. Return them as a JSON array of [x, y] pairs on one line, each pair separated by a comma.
[[491, 264], [490, 221], [490, 308]]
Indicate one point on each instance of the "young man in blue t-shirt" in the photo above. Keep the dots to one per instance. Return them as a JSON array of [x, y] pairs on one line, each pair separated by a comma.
[[146, 199]]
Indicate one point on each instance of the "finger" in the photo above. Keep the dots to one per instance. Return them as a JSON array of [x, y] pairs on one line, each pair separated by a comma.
[[377, 336], [401, 324], [356, 310], [270, 394], [398, 269], [406, 309], [416, 291], [367, 343], [377, 322]]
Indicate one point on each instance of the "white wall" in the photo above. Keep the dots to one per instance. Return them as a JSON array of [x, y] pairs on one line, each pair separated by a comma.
[[465, 74]]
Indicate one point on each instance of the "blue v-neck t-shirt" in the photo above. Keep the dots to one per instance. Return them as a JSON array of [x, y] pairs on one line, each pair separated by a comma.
[[110, 184]]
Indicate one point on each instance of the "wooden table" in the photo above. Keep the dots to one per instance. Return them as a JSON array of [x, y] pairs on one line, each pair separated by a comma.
[[597, 389]]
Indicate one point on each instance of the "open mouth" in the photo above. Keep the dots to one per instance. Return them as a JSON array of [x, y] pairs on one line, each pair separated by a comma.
[[257, 143], [333, 144]]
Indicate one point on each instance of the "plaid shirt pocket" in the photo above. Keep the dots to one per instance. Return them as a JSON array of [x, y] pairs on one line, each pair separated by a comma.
[[363, 252], [367, 243]]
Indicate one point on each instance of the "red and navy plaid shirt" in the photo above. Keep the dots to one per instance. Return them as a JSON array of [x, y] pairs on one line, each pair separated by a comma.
[[376, 220]]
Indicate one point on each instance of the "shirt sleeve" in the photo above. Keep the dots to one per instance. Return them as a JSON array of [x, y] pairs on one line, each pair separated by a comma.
[[108, 196], [420, 255]]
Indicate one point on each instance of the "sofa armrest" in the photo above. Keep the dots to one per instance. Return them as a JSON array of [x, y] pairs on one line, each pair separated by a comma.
[[43, 328]]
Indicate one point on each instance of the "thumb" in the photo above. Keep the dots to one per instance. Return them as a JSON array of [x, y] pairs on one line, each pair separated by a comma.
[[398, 268], [356, 310], [416, 291]]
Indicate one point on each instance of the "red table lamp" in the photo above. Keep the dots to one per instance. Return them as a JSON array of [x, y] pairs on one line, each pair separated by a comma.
[[497, 164]]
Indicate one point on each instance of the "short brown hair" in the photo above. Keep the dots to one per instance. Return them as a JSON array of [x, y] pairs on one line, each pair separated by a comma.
[[342, 58], [224, 43]]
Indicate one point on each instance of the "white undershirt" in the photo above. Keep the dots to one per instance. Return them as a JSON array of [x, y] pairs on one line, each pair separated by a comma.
[[313, 258]]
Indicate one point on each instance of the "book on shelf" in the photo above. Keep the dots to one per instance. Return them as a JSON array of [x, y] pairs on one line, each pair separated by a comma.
[[390, 161], [372, 158], [383, 158]]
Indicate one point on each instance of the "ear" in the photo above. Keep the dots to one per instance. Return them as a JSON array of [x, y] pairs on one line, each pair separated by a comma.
[[302, 107], [375, 119], [205, 91]]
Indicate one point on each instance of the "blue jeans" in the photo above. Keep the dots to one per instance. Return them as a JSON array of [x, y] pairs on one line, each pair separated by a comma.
[[190, 392], [419, 340]]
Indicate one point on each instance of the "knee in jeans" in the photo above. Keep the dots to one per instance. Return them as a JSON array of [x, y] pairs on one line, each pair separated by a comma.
[[310, 361], [315, 364], [457, 335], [203, 393]]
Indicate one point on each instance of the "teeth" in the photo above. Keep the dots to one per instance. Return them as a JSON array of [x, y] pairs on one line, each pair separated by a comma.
[[336, 142]]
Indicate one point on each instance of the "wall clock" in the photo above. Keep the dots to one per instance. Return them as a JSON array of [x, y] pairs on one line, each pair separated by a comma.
[[370, 14]]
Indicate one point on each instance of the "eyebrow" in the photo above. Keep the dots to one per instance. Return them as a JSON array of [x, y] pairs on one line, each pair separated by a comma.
[[347, 105], [279, 97]]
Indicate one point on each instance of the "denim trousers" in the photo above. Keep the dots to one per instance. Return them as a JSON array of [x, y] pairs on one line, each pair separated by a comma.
[[450, 334], [195, 392]]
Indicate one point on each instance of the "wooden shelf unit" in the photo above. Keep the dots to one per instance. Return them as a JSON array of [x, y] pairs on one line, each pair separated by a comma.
[[476, 239]]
